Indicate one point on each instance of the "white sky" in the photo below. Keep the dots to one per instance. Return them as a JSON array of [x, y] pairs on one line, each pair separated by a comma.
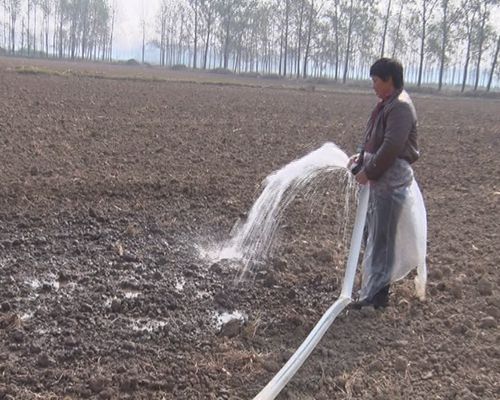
[[128, 32]]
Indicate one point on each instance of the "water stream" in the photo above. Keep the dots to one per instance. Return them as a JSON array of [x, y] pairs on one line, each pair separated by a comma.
[[253, 239]]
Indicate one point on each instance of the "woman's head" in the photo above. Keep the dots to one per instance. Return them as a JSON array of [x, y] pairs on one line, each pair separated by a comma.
[[386, 68], [387, 75]]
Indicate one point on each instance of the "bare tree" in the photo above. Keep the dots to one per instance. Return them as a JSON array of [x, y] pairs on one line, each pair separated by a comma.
[[334, 15], [195, 8], [359, 35], [386, 23], [14, 7], [207, 8], [143, 29], [312, 16], [424, 13], [162, 18], [443, 29], [35, 8], [47, 10], [112, 29], [348, 48], [4, 4], [469, 12], [63, 8], [484, 10], [285, 37], [397, 31], [493, 63], [300, 17], [28, 26]]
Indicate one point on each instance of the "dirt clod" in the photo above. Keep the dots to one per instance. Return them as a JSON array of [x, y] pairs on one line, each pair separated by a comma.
[[231, 328], [485, 287], [488, 323]]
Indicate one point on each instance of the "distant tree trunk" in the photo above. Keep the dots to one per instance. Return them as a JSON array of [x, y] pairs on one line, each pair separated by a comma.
[[422, 49], [34, 27], [143, 39], [5, 24], [466, 65], [85, 28], [104, 44], [195, 33], [73, 33], [484, 17], [444, 42], [285, 56], [163, 26], [180, 55], [398, 28], [22, 35], [28, 37], [61, 20], [227, 31], [348, 45], [207, 41], [281, 53], [427, 7], [470, 21], [112, 32], [337, 41], [386, 22], [47, 36], [299, 37], [493, 64], [13, 18], [308, 42], [54, 32]]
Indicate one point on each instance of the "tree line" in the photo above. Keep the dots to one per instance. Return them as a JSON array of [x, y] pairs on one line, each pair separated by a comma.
[[73, 29], [440, 42]]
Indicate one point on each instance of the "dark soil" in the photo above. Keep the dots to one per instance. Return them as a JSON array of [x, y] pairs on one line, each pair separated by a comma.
[[113, 183]]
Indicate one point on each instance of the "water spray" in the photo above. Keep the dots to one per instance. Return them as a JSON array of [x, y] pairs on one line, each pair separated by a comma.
[[272, 389]]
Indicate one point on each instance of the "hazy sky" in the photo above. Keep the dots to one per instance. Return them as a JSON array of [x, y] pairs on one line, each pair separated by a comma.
[[128, 33]]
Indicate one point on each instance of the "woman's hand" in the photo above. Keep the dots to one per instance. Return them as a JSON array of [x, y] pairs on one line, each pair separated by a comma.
[[361, 177], [354, 159]]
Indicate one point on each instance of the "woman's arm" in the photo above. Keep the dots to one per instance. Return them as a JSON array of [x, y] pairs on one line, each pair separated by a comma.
[[399, 123]]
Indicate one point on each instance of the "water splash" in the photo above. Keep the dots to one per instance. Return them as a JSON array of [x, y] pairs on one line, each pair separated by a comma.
[[254, 238]]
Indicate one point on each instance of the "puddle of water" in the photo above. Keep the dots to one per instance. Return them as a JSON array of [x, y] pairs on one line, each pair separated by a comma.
[[35, 283], [209, 253], [149, 325], [108, 301], [179, 284], [225, 317], [131, 294], [203, 294], [27, 315], [127, 294]]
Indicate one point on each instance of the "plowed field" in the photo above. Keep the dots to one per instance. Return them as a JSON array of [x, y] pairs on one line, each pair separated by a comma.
[[114, 180]]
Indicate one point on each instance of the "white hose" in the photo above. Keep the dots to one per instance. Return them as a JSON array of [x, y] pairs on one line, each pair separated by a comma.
[[286, 373]]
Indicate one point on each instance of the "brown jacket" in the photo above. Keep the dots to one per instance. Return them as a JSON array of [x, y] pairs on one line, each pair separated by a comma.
[[391, 133]]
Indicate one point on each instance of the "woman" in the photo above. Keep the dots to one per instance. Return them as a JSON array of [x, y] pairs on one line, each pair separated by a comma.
[[396, 226]]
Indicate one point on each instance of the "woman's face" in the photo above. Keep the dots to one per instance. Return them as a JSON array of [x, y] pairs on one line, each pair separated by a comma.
[[383, 89]]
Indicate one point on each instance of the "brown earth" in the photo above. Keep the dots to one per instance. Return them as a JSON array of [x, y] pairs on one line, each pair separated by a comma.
[[113, 179]]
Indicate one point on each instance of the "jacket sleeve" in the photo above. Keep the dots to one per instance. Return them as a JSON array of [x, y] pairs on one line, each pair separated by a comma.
[[398, 125]]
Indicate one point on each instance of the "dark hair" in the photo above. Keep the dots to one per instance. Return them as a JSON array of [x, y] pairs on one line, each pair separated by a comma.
[[386, 68]]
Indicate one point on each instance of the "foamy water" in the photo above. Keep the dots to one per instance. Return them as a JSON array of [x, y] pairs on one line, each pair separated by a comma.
[[253, 239]]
